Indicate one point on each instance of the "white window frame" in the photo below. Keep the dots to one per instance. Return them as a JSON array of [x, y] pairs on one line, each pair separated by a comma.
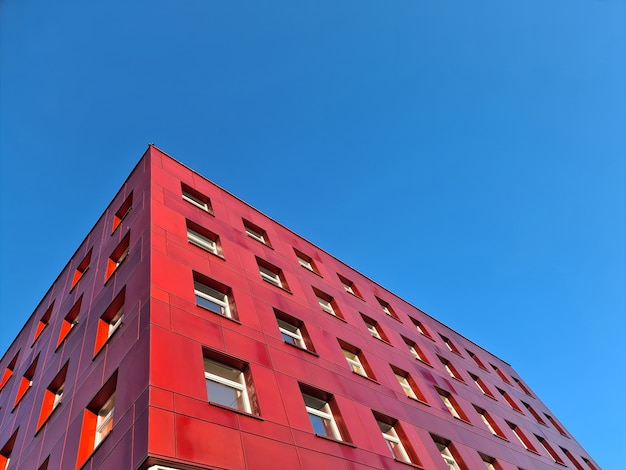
[[105, 416], [414, 352], [354, 362], [256, 235], [348, 288], [214, 296], [58, 395], [305, 263], [447, 456], [519, 438], [195, 201], [326, 305], [202, 241], [372, 327], [293, 332], [487, 423], [394, 444], [477, 382], [325, 413], [446, 366], [406, 386], [386, 309], [115, 322], [238, 385], [270, 276]]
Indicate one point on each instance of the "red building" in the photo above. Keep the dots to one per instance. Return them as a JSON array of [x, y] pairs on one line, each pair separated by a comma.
[[191, 331]]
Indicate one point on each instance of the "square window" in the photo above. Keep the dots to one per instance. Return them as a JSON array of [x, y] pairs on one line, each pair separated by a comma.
[[451, 405], [522, 437], [97, 420], [409, 387], [43, 321], [489, 422], [556, 425], [272, 274], [374, 328], [229, 382], [26, 382], [122, 212], [70, 320], [589, 464], [203, 238], [110, 321], [118, 256], [323, 413], [394, 437], [356, 360], [501, 374], [476, 359], [256, 232], [521, 385], [510, 400], [81, 269], [535, 415], [415, 350], [450, 345], [548, 448], [450, 369], [572, 459], [52, 396], [482, 386], [490, 462], [7, 449], [387, 309], [349, 286], [8, 372], [293, 331], [306, 261], [214, 296], [196, 198], [327, 303], [419, 326], [449, 454]]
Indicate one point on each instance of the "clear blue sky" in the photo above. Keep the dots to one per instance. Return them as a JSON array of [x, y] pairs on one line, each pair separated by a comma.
[[467, 155]]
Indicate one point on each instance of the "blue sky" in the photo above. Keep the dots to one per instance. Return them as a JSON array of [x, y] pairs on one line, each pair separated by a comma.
[[469, 156]]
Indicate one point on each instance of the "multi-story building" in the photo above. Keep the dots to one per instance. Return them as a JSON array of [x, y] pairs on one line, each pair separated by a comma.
[[191, 331]]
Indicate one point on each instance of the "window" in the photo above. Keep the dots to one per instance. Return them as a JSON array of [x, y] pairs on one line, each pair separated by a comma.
[[293, 331], [521, 385], [214, 296], [510, 401], [589, 464], [256, 232], [44, 465], [522, 437], [323, 413], [448, 453], [450, 369], [5, 452], [306, 261], [387, 309], [70, 320], [122, 212], [548, 448], [556, 425], [482, 386], [356, 360], [490, 462], [374, 328], [349, 286], [8, 372], [110, 321], [203, 238], [535, 415], [229, 382], [272, 274], [118, 256], [476, 359], [501, 374], [451, 405], [98, 419], [415, 350], [26, 382], [419, 326], [394, 437], [81, 269], [52, 396], [408, 385], [572, 459], [489, 422], [327, 303], [450, 345], [43, 322], [196, 198]]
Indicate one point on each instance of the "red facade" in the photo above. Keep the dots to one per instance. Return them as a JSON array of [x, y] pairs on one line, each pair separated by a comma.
[[190, 331]]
